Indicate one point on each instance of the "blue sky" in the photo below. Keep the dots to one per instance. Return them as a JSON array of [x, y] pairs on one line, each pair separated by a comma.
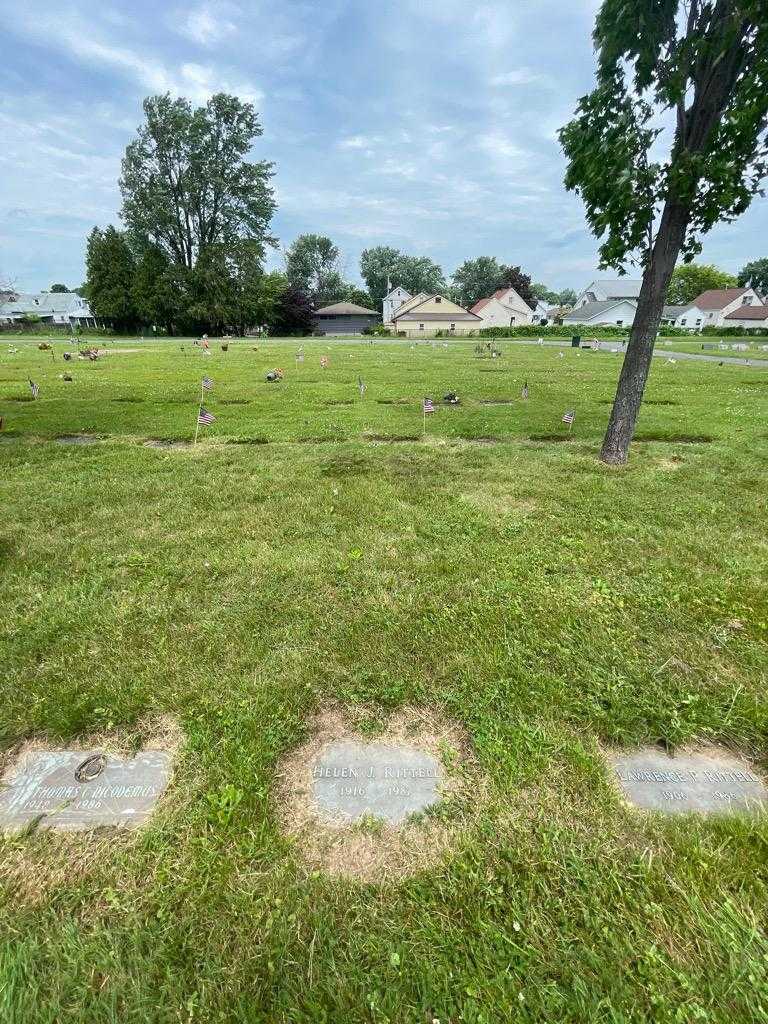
[[429, 125]]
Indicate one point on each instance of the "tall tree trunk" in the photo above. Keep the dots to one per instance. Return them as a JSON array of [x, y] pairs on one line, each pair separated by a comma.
[[642, 337]]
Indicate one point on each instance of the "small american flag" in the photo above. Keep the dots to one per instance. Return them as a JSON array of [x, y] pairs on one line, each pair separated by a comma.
[[524, 392], [569, 416], [207, 383], [428, 406], [205, 417], [33, 388], [324, 361], [361, 386]]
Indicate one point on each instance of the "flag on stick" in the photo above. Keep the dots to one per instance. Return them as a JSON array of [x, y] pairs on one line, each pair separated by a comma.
[[524, 392], [33, 388], [324, 361], [205, 418], [429, 405], [207, 384], [361, 386], [568, 417]]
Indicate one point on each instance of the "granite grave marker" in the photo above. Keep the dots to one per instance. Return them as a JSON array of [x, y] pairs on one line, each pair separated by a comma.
[[385, 780], [708, 783], [74, 791]]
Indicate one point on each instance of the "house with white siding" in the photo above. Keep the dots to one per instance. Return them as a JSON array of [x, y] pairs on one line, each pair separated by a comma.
[[392, 301], [505, 308], [618, 289], [713, 306], [64, 309], [607, 312]]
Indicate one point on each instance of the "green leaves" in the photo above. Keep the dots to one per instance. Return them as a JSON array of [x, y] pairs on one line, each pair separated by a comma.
[[186, 182], [707, 63]]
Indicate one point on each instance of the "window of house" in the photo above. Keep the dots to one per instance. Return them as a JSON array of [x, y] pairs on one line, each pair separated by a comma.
[[619, 323], [697, 322], [438, 299], [684, 323], [421, 327], [746, 300], [453, 327], [511, 320]]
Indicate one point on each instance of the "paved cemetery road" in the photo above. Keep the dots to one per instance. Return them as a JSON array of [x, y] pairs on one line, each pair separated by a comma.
[[662, 353]]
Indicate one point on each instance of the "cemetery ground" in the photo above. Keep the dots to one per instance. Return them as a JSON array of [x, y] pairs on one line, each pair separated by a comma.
[[315, 555]]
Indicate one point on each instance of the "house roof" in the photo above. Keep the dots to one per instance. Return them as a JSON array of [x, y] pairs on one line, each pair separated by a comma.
[[450, 317], [620, 287], [415, 300], [673, 312], [558, 311], [398, 288], [409, 311], [590, 310], [41, 303], [718, 298], [482, 303], [748, 313], [498, 294], [345, 309]]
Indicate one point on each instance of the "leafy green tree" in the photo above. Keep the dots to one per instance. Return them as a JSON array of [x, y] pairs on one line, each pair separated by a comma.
[[294, 312], [312, 263], [159, 291], [420, 274], [707, 61], [755, 274], [187, 184], [513, 277], [111, 271], [567, 297], [377, 266], [477, 279], [691, 279], [414, 273], [540, 291], [268, 306], [58, 288]]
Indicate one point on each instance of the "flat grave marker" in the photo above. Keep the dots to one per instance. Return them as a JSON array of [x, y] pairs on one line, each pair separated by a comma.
[[385, 780], [707, 783], [74, 791]]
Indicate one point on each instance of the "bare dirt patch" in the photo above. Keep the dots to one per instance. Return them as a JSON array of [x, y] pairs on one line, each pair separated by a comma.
[[375, 850], [33, 865]]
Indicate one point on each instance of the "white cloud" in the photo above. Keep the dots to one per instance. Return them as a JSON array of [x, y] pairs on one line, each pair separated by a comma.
[[208, 24], [357, 142], [520, 76]]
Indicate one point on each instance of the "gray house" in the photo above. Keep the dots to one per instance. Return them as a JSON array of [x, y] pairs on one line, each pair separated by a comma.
[[345, 318], [67, 309]]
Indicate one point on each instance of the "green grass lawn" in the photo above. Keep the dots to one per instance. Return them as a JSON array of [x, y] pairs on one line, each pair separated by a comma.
[[489, 573]]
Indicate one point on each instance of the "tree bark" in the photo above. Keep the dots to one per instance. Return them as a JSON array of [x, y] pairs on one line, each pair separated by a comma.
[[642, 337]]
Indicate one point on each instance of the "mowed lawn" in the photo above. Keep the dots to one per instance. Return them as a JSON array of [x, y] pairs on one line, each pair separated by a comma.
[[549, 605]]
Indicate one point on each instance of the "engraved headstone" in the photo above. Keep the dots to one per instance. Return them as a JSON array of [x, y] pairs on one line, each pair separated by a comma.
[[74, 791], [384, 780], [77, 439], [708, 783]]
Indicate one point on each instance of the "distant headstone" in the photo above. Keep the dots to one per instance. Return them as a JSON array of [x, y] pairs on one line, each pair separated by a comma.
[[73, 791], [710, 783], [389, 781]]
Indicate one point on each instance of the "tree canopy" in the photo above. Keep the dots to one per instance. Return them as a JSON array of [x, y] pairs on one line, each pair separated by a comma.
[[58, 288], [691, 279], [477, 279], [703, 65], [756, 274], [414, 273], [111, 270], [186, 182]]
